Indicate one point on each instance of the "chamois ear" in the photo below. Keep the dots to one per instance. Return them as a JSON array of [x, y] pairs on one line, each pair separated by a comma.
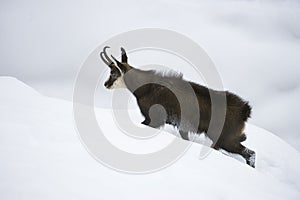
[[120, 65], [124, 56]]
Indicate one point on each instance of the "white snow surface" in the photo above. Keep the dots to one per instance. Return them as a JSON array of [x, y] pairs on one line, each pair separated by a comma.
[[254, 44], [42, 158]]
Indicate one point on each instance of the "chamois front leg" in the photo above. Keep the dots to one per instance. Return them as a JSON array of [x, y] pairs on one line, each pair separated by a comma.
[[144, 112], [184, 135], [146, 121], [155, 117], [152, 122]]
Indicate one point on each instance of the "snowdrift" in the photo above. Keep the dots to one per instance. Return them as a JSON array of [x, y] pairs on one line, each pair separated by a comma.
[[42, 158]]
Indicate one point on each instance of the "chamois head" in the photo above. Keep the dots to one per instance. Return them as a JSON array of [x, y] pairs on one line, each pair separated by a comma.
[[117, 69]]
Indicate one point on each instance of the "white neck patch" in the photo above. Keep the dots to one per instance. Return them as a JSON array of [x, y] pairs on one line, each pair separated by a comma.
[[119, 83]]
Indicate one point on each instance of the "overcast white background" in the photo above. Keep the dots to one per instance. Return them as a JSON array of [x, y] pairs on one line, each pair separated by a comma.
[[254, 44]]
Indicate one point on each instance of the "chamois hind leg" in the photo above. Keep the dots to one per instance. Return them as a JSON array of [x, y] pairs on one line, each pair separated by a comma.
[[232, 144], [238, 148], [249, 155]]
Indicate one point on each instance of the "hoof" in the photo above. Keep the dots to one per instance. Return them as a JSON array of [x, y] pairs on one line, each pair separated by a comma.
[[251, 160], [145, 122]]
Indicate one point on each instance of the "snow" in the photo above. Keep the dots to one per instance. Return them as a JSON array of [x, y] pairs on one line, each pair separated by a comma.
[[254, 44], [42, 158]]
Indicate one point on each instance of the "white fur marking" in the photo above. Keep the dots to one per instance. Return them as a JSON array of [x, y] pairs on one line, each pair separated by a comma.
[[119, 83]]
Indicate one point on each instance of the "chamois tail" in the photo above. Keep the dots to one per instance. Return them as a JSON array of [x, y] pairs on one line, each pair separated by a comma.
[[246, 111]]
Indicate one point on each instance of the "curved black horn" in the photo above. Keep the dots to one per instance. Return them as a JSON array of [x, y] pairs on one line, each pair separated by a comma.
[[102, 58], [105, 54], [124, 55], [105, 58]]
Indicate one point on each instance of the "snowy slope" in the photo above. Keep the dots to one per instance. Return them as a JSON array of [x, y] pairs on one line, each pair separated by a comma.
[[254, 44], [42, 158]]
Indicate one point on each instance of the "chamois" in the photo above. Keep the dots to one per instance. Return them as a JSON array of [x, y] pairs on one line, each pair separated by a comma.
[[151, 88]]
